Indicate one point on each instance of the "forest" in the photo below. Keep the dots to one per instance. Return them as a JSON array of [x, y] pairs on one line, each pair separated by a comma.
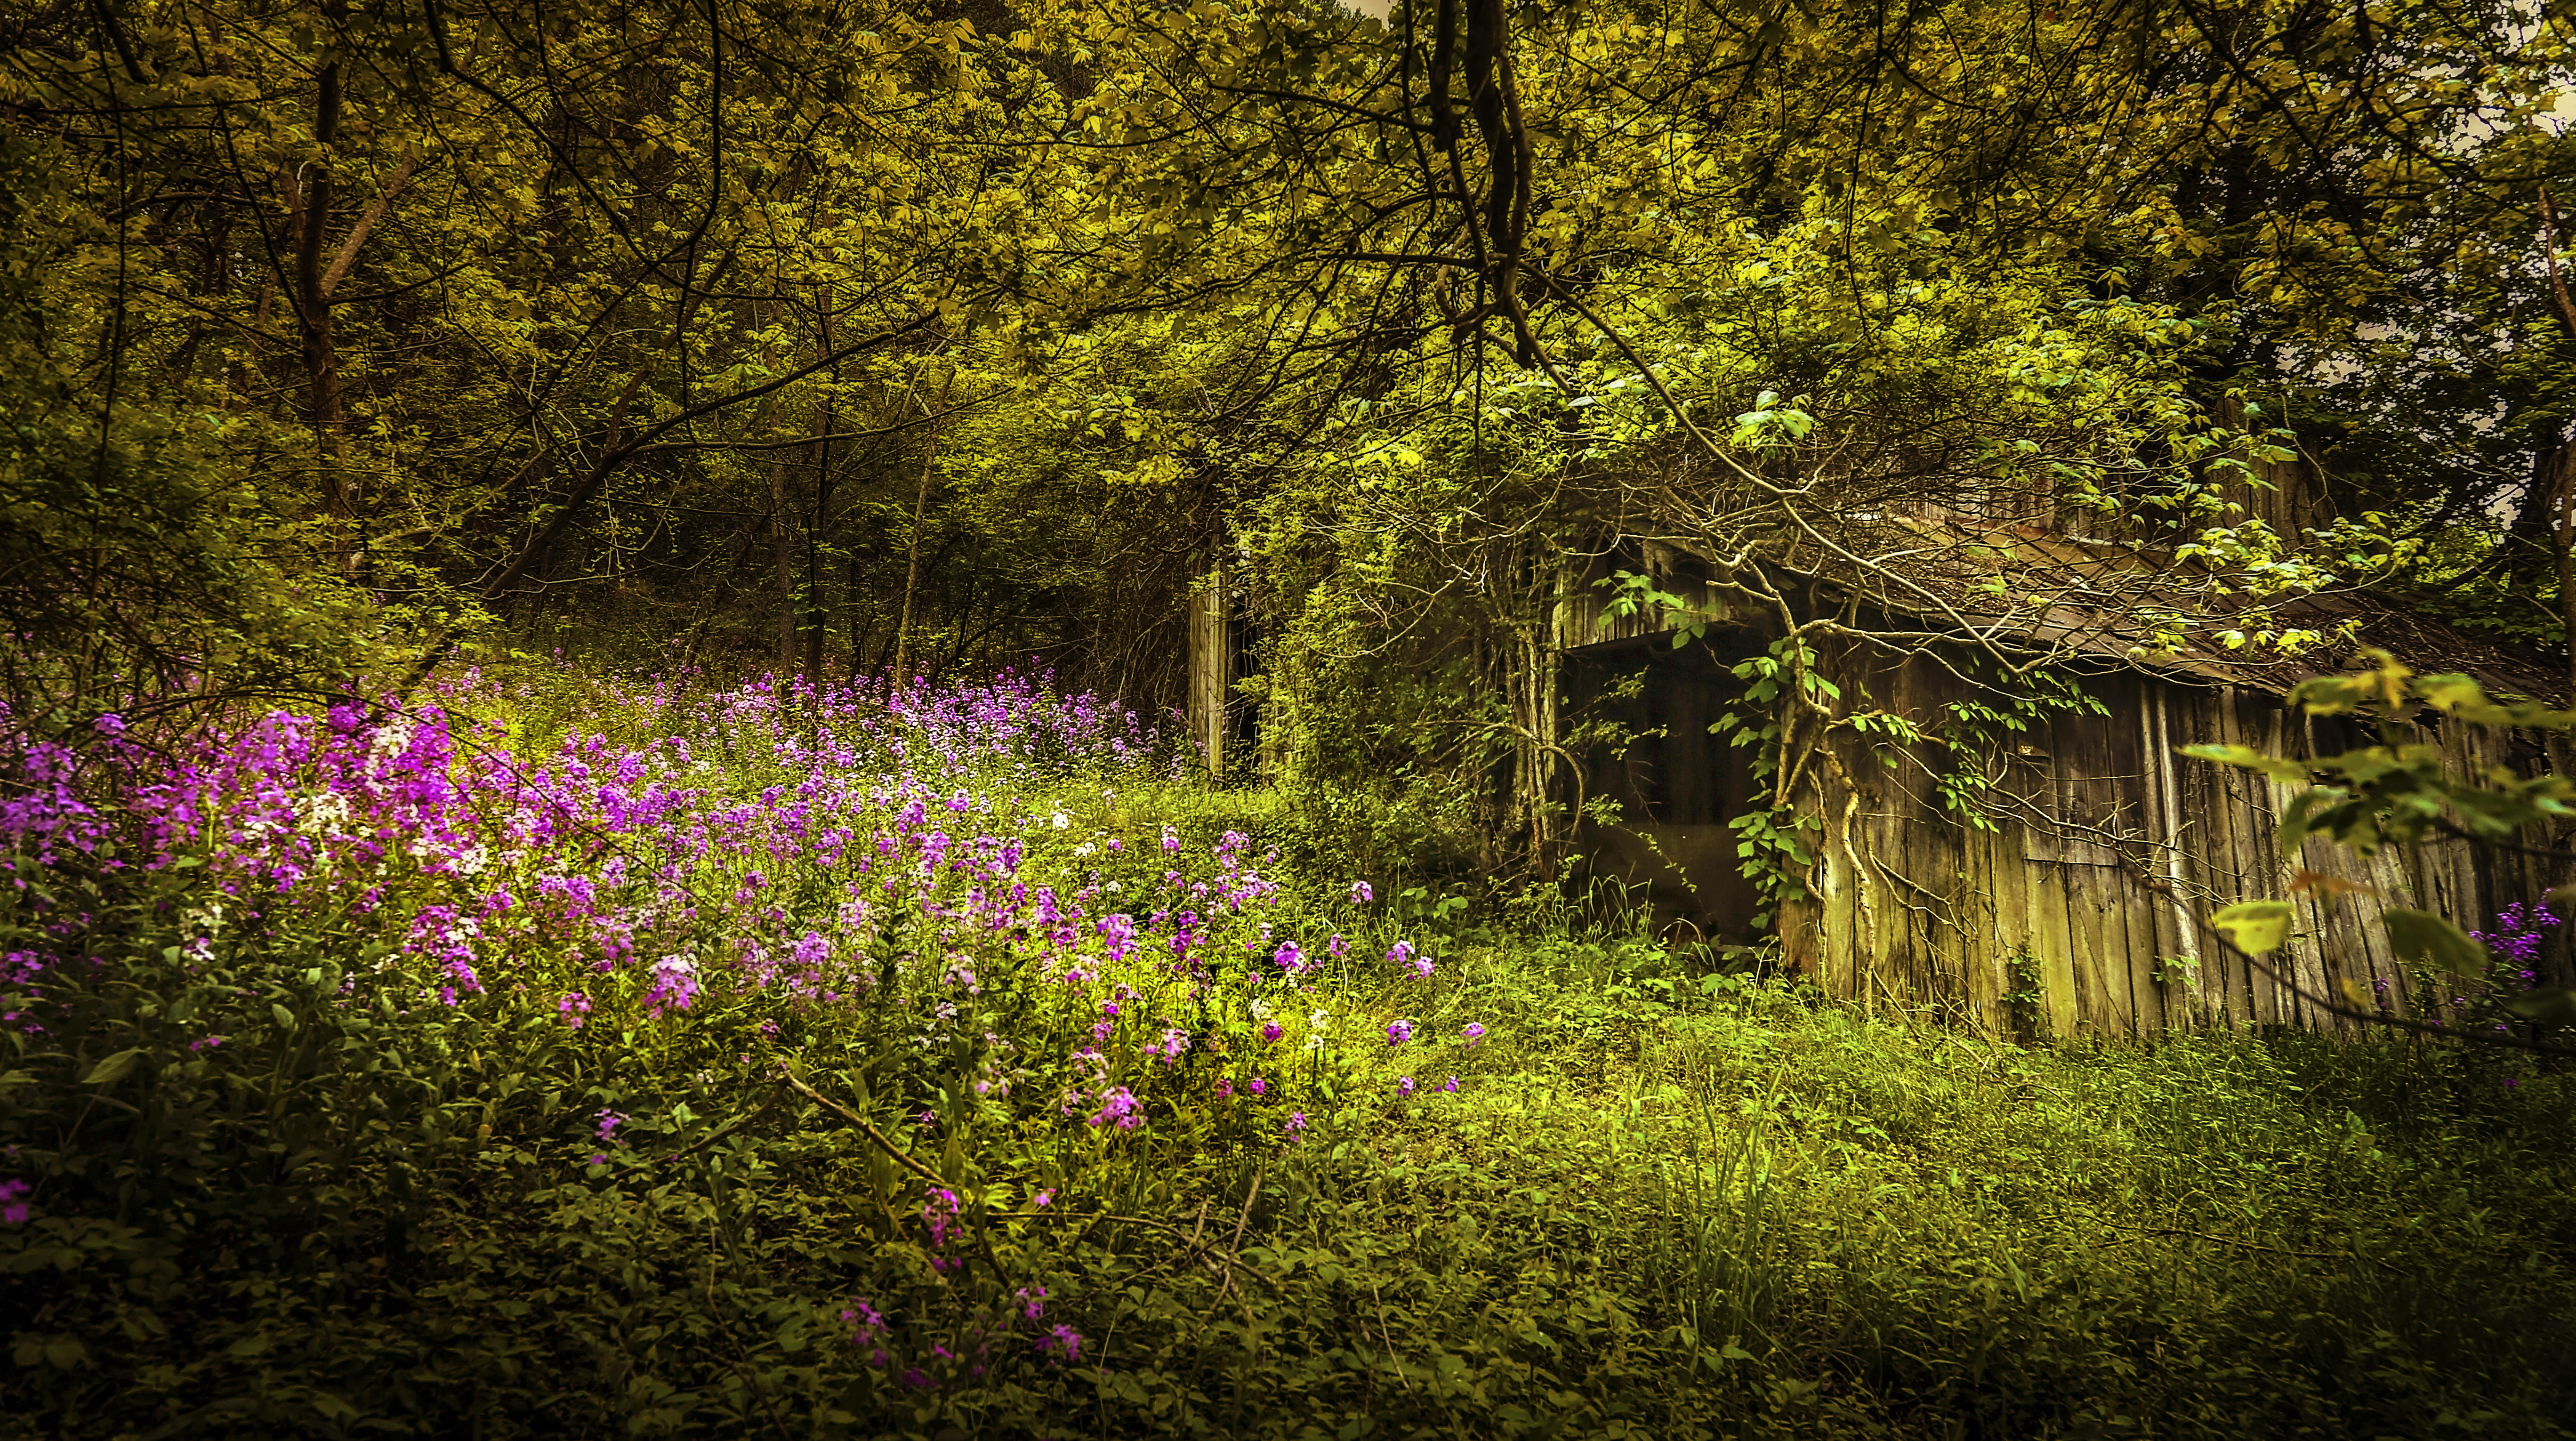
[[1008, 718]]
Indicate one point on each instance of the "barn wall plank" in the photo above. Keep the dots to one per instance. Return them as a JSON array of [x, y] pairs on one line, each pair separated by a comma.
[[2251, 835], [2173, 833], [2227, 841]]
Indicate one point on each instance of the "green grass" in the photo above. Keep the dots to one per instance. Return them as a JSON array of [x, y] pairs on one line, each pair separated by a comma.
[[1770, 1213]]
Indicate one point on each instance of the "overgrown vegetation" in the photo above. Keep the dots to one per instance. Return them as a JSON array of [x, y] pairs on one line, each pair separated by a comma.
[[589, 1058]]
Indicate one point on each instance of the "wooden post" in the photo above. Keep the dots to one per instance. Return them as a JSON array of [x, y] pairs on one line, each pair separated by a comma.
[[1211, 675]]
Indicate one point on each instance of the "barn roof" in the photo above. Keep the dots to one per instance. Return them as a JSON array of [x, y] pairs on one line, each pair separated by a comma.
[[2114, 603]]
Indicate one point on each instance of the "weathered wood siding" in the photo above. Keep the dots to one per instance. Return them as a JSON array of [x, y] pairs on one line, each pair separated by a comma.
[[2106, 842], [1583, 607]]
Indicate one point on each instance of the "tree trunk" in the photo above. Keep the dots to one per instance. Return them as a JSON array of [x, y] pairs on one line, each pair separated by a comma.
[[850, 600], [782, 555], [313, 310], [912, 566], [827, 415], [2562, 540], [813, 617]]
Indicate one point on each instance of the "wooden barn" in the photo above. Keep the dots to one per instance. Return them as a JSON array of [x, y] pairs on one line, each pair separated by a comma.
[[2059, 896]]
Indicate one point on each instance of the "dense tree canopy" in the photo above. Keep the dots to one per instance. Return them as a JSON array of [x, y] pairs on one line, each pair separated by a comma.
[[866, 335]]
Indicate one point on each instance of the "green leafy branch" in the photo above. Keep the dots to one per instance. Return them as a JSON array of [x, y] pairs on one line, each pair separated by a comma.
[[1633, 595], [2400, 792], [1770, 836]]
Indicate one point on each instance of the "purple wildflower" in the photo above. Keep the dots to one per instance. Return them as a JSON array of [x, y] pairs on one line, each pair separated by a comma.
[[675, 984], [1119, 1107], [1119, 933]]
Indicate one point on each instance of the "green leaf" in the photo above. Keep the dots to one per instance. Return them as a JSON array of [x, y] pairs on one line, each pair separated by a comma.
[[113, 1067], [2256, 926], [2250, 759], [2423, 935], [2545, 1006]]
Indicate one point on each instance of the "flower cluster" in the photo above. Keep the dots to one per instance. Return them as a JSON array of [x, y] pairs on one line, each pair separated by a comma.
[[761, 858], [2516, 942], [872, 1331]]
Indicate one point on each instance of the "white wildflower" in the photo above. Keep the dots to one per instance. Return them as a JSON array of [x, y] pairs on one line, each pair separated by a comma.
[[389, 742], [325, 814]]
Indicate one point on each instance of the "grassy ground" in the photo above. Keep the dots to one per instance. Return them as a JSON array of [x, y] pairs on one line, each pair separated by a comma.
[[1884, 1228], [276, 1183]]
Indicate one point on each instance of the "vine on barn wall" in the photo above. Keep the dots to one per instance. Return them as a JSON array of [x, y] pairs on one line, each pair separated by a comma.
[[1774, 845]]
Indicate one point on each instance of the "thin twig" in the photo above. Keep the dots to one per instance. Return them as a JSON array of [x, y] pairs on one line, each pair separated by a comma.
[[703, 1142], [901, 1156], [2211, 933], [1176, 1233], [1386, 1340]]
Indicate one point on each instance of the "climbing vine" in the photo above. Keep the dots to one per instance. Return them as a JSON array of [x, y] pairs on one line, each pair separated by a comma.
[[1775, 835]]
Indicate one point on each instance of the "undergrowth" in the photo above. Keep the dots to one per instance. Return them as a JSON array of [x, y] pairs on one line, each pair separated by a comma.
[[709, 1129]]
